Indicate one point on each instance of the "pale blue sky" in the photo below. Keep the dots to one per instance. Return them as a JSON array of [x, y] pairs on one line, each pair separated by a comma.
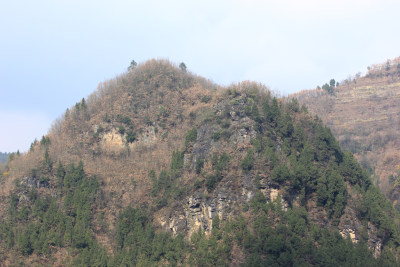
[[54, 52]]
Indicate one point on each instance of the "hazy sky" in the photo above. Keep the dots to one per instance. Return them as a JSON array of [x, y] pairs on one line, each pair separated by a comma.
[[54, 52]]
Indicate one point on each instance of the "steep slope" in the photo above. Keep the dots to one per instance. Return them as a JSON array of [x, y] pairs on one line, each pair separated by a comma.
[[364, 115], [161, 167]]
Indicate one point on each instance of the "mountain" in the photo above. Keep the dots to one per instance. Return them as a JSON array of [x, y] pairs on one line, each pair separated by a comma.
[[4, 157], [162, 167], [364, 115]]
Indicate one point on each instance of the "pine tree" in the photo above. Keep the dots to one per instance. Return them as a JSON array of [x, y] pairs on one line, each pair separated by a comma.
[[60, 174], [47, 164]]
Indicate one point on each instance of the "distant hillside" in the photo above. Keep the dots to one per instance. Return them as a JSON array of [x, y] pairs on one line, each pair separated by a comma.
[[4, 157], [162, 167], [364, 115]]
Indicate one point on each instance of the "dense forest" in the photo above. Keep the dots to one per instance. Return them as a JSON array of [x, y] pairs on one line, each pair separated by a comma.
[[250, 180], [270, 236]]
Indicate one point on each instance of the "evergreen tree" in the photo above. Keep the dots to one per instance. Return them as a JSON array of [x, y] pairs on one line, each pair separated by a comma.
[[60, 174], [47, 164], [183, 67]]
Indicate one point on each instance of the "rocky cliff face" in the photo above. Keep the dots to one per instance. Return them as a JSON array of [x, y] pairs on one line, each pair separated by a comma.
[[113, 141], [200, 209]]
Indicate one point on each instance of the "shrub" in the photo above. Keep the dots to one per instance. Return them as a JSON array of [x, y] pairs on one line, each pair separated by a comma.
[[192, 116], [121, 129], [148, 121], [248, 161], [206, 99], [225, 134], [197, 183], [211, 182], [199, 165], [219, 163], [130, 136], [163, 112], [177, 160], [216, 136], [191, 136], [126, 120], [225, 124]]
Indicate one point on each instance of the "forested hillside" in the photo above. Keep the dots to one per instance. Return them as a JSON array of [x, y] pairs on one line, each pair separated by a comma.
[[364, 115], [162, 167]]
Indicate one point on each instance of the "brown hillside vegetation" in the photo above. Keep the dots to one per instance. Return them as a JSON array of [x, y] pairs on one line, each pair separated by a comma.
[[155, 105], [364, 115]]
